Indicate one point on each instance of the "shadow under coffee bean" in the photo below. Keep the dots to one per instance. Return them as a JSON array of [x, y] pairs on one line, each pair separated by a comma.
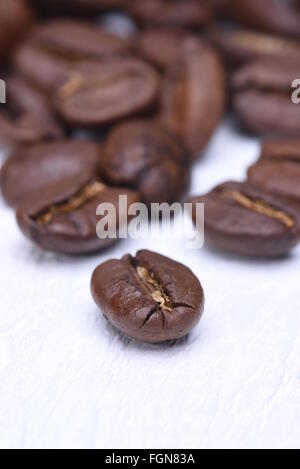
[[149, 297]]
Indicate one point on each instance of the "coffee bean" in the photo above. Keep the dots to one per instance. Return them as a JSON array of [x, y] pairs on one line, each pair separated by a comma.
[[62, 218], [99, 94], [193, 96], [148, 297], [278, 170], [263, 97], [26, 116], [144, 156], [15, 19], [273, 16], [240, 46], [78, 7], [178, 13], [162, 47], [39, 166], [53, 50], [243, 219]]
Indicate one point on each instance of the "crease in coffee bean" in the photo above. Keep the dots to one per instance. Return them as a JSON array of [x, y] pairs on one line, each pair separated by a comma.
[[77, 82], [158, 295], [71, 87], [89, 192], [260, 207]]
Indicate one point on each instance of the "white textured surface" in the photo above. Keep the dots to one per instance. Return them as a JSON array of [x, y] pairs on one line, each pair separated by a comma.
[[69, 380]]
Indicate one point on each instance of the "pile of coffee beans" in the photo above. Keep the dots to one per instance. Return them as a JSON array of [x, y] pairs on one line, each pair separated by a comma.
[[91, 115]]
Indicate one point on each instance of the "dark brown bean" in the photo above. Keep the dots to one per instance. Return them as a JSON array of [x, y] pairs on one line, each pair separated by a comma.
[[148, 297], [36, 167], [26, 117], [193, 96], [246, 220], [278, 169], [62, 218], [78, 7], [239, 45], [178, 13], [99, 94], [263, 97], [15, 19], [53, 50], [162, 47], [142, 155], [273, 16]]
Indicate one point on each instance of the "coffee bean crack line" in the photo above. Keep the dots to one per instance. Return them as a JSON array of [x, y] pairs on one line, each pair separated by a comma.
[[86, 194], [260, 207], [158, 295]]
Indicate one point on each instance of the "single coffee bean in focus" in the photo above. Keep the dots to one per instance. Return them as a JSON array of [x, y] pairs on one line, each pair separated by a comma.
[[149, 297]]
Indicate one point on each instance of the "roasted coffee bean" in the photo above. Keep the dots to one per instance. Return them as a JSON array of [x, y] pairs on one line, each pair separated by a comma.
[[100, 94], [246, 220], [39, 166], [193, 95], [26, 116], [78, 7], [53, 50], [272, 16], [148, 297], [263, 97], [63, 217], [144, 156], [240, 46], [170, 13], [15, 19], [161, 46], [278, 170]]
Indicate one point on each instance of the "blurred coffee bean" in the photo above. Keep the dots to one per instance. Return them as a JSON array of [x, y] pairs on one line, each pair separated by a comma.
[[161, 46], [144, 156], [171, 13], [246, 220], [15, 19], [77, 7], [63, 217], [272, 16], [38, 166], [278, 169], [263, 97], [239, 45], [26, 117], [54, 49], [194, 95], [102, 93]]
